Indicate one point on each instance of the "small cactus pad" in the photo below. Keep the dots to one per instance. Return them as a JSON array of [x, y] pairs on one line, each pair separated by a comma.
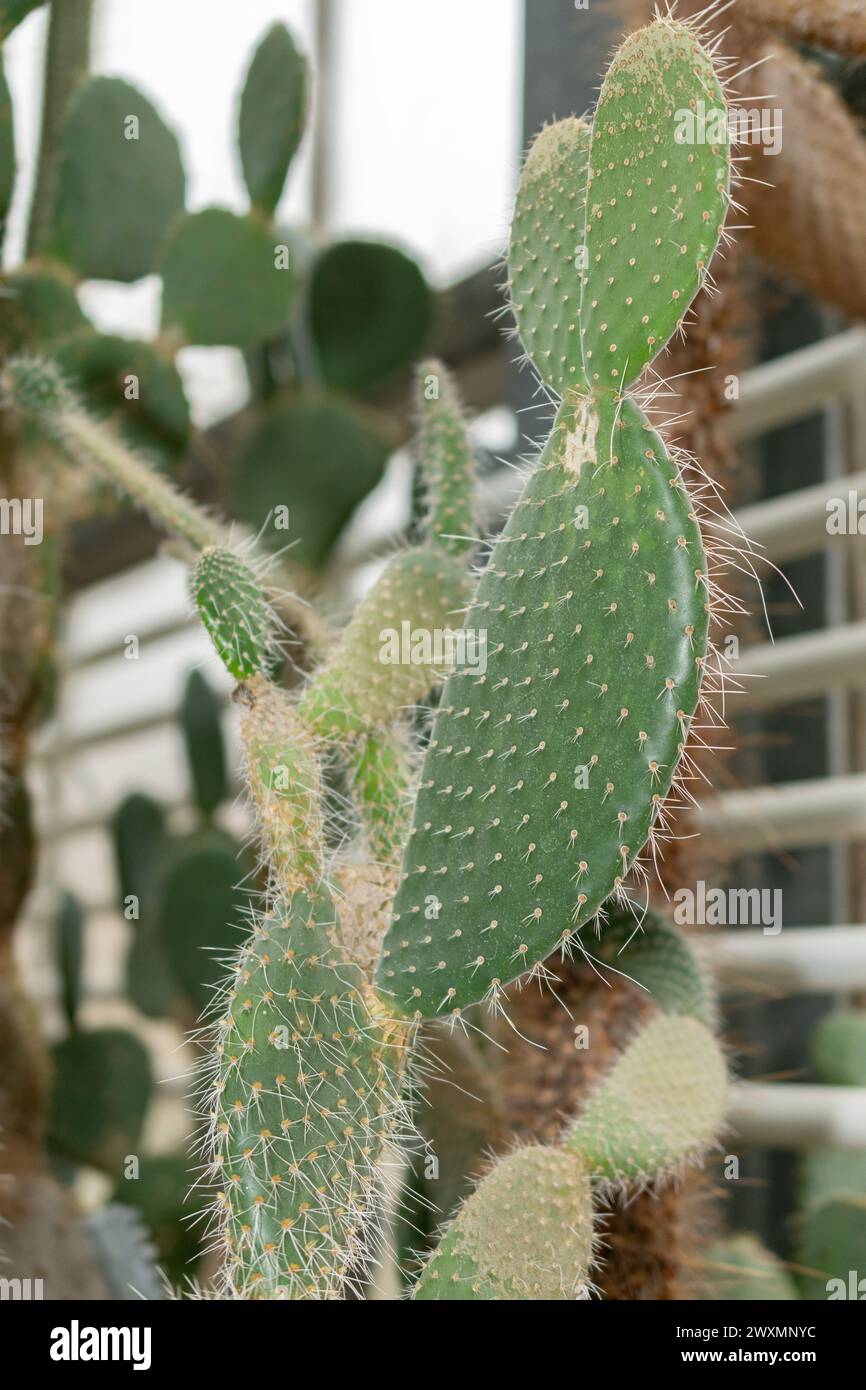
[[303, 468], [39, 306], [445, 457], [660, 1105], [120, 183], [652, 951], [382, 768], [138, 832], [741, 1269], [282, 772], [273, 115], [233, 610], [525, 1233], [545, 775], [370, 310], [199, 914], [830, 1248], [827, 1173], [226, 279], [130, 384], [69, 929], [307, 1095], [102, 1088], [395, 647], [656, 199], [547, 252], [839, 1048], [201, 726], [37, 389]]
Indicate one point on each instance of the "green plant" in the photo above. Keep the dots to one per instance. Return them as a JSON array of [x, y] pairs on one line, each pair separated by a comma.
[[548, 765]]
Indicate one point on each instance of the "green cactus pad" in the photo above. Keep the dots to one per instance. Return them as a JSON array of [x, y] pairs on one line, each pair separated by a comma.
[[306, 1096], [652, 951], [69, 933], [830, 1173], [546, 252], [201, 726], [655, 204], [200, 909], [169, 1202], [38, 391], [39, 307], [839, 1048], [102, 1088], [545, 775], [525, 1233], [830, 1247], [315, 460], [387, 658], [741, 1269], [370, 311], [223, 280], [273, 115], [150, 983], [138, 833], [7, 150], [662, 1104], [13, 11], [128, 383], [282, 772], [445, 458], [381, 768], [119, 185], [234, 611]]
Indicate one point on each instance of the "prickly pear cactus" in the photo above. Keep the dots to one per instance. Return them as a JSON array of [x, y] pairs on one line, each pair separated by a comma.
[[568, 701], [547, 774]]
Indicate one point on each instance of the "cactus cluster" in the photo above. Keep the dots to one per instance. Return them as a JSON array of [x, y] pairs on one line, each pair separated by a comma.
[[547, 767]]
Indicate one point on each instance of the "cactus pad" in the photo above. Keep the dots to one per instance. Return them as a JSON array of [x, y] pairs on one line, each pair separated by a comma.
[[655, 204], [524, 1233], [831, 1242], [316, 459], [102, 1088], [387, 658], [39, 306], [661, 1104], [200, 911], [273, 115], [306, 1098], [547, 251], [545, 776], [132, 385], [839, 1048], [234, 611], [659, 957], [201, 726], [223, 281], [283, 777], [370, 310], [120, 183], [445, 456]]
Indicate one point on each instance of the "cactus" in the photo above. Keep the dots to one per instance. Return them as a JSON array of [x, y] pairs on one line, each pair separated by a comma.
[[661, 1105], [550, 759], [234, 611], [115, 129], [741, 1269], [525, 1233], [839, 1048], [272, 116], [201, 723]]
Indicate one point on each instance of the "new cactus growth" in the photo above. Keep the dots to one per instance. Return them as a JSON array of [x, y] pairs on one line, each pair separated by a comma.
[[661, 1105], [525, 1233], [234, 612]]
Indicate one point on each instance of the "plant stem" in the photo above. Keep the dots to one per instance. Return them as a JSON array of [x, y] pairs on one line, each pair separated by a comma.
[[67, 61]]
